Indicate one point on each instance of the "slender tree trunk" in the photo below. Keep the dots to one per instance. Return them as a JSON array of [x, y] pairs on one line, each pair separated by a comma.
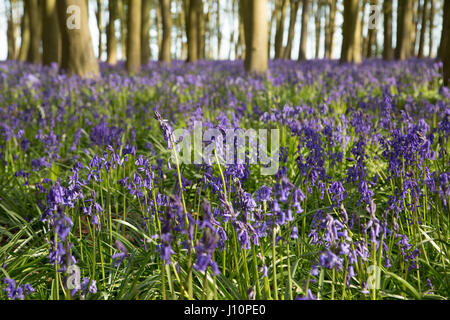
[[200, 29], [330, 29], [134, 36], [281, 16], [317, 29], [99, 16], [218, 28], [371, 37], [145, 32], [11, 33], [351, 32], [167, 27], [77, 49], [51, 37], [256, 21], [423, 29], [123, 27], [292, 20], [34, 52], [388, 52], [193, 32], [304, 31], [405, 30], [431, 28], [242, 38], [25, 35], [111, 40], [445, 42]]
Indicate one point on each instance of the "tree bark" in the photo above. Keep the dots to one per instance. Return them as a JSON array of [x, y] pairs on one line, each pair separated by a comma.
[[11, 34], [281, 16], [388, 51], [25, 34], [145, 32], [423, 28], [431, 28], [405, 30], [218, 28], [304, 31], [294, 4], [111, 40], [371, 38], [317, 29], [34, 52], [167, 27], [77, 55], [193, 32], [98, 14], [445, 42], [330, 29], [134, 36], [351, 33], [200, 29], [257, 25], [51, 37], [123, 27]]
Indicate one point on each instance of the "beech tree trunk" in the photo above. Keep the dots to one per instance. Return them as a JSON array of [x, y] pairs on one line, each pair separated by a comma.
[[193, 32], [317, 29], [281, 16], [256, 29], [25, 35], [51, 37], [77, 55], [200, 29], [11, 34], [351, 32], [304, 31], [445, 42], [423, 28], [167, 27], [330, 29], [134, 36], [99, 16], [405, 30], [34, 51], [388, 51], [431, 28], [111, 40], [371, 37], [145, 32], [123, 27], [294, 4]]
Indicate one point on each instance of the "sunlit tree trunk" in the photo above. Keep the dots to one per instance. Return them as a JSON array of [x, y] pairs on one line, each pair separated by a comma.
[[34, 52], [134, 36], [405, 30], [388, 52], [145, 32], [431, 28], [99, 16], [241, 37], [218, 28], [111, 40], [25, 35], [167, 27], [279, 34], [193, 33], [317, 17], [200, 29], [256, 21], [445, 42], [11, 34], [292, 20], [351, 32], [123, 27], [304, 31], [330, 29], [77, 55], [423, 28], [371, 37], [51, 37]]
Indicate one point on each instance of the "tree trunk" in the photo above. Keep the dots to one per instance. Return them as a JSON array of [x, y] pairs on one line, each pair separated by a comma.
[[51, 37], [330, 29], [218, 28], [388, 52], [351, 32], [200, 29], [281, 15], [134, 36], [193, 32], [167, 27], [405, 30], [292, 20], [123, 27], [257, 25], [371, 37], [34, 52], [11, 34], [111, 40], [304, 31], [431, 28], [423, 28], [77, 55], [145, 32], [317, 29], [445, 42], [25, 34], [241, 37], [98, 14]]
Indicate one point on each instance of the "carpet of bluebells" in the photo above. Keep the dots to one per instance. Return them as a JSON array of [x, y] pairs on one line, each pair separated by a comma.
[[359, 208]]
